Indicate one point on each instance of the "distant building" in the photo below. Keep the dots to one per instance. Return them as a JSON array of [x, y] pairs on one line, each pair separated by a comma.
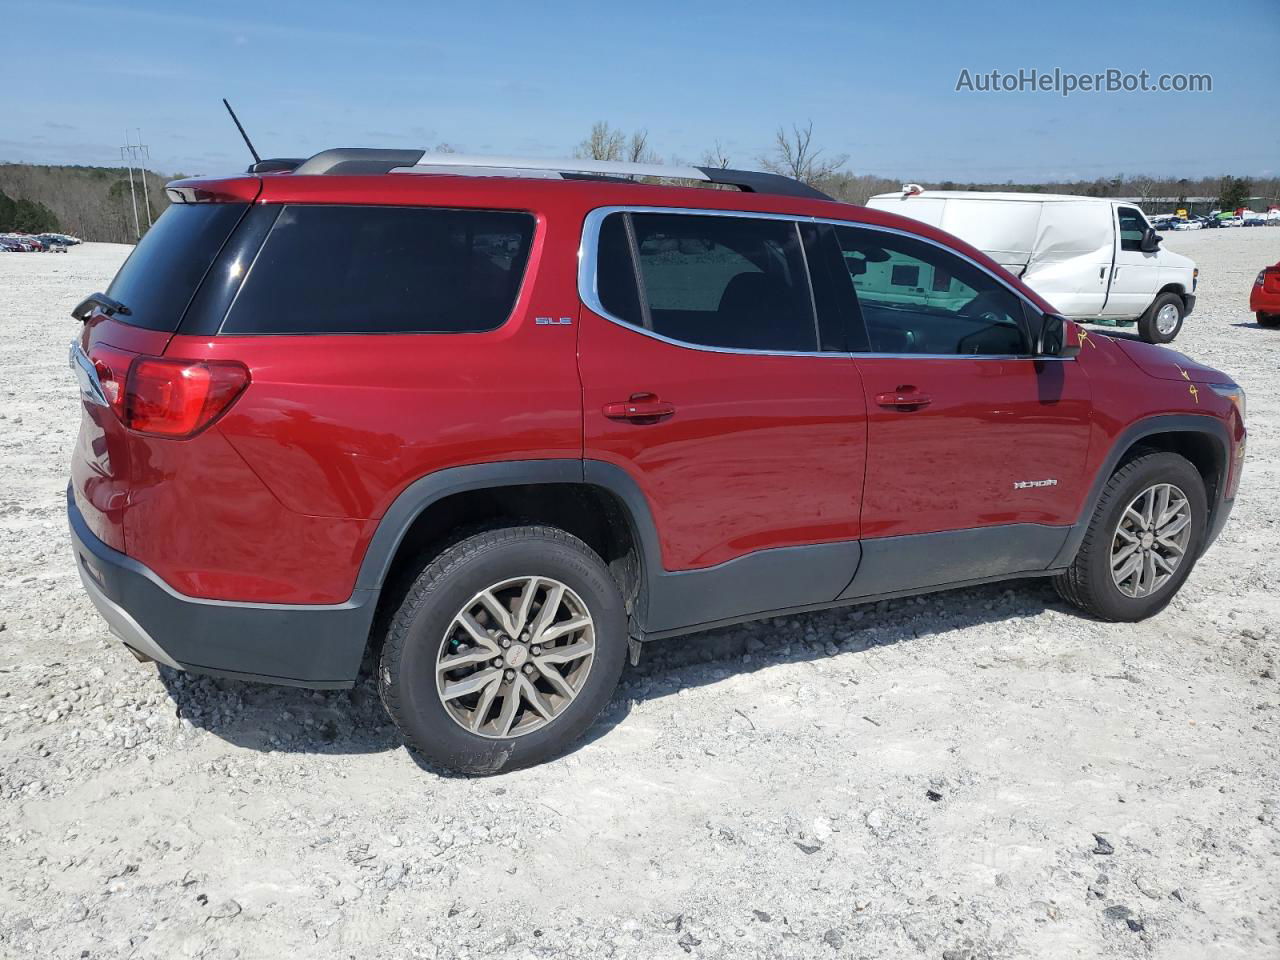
[[1195, 206]]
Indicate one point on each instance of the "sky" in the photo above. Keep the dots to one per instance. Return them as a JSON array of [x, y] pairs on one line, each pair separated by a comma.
[[877, 80]]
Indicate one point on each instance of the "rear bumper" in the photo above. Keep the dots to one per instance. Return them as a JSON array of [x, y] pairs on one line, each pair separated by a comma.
[[302, 645]]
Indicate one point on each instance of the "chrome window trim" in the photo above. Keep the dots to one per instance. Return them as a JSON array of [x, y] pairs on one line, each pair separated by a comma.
[[588, 290]]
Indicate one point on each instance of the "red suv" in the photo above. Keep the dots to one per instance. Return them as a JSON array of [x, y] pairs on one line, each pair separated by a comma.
[[499, 422]]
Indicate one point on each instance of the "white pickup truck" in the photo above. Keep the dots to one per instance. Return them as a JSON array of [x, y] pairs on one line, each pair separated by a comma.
[[1094, 259]]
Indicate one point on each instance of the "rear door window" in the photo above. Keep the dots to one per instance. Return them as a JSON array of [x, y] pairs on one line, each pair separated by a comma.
[[359, 269], [716, 281], [162, 274]]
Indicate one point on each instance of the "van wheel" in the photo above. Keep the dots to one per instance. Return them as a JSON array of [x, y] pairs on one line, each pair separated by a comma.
[[1163, 319], [1268, 319], [1143, 539], [504, 650]]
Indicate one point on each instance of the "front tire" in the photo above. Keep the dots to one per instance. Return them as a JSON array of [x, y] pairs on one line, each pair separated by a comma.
[[1163, 319], [1143, 540], [504, 650]]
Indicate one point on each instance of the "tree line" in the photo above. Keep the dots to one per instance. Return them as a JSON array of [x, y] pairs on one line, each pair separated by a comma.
[[94, 203], [25, 216]]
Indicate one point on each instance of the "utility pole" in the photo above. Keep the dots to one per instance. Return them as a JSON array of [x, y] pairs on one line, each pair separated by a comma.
[[127, 156], [137, 155], [145, 155]]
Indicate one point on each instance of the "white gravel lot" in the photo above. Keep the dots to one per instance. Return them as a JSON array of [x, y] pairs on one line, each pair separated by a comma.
[[978, 774]]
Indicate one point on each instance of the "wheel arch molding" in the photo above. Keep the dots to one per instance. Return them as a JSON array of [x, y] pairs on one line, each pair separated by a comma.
[[598, 502], [1190, 435]]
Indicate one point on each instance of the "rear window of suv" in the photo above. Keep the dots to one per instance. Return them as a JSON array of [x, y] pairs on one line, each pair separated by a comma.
[[711, 280], [359, 269], [160, 277]]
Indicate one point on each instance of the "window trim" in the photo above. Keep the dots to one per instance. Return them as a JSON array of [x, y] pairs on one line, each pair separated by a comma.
[[528, 270], [588, 290]]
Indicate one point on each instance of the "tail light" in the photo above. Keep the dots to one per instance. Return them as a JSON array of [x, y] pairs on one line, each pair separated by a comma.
[[167, 398]]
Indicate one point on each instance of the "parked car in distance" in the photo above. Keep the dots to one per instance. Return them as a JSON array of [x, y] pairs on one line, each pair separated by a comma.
[[1093, 259], [1264, 298], [498, 431]]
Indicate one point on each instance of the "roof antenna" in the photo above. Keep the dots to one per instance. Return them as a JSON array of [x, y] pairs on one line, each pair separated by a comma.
[[247, 142]]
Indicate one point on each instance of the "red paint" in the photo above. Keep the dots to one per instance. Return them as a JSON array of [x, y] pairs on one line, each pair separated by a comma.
[[952, 463], [278, 499], [761, 451]]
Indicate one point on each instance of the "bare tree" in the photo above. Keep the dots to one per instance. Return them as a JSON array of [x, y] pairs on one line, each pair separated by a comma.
[[638, 148], [604, 143], [717, 156], [1143, 186], [794, 155]]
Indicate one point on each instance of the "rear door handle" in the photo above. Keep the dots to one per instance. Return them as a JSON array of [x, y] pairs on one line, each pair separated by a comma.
[[903, 399], [641, 408]]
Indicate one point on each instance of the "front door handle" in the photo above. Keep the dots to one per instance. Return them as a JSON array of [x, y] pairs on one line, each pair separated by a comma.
[[904, 399], [641, 408]]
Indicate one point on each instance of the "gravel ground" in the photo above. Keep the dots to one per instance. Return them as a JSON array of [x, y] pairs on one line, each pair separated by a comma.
[[977, 774]]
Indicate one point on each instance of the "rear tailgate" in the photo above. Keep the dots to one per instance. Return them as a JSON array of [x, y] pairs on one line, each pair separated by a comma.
[[155, 286]]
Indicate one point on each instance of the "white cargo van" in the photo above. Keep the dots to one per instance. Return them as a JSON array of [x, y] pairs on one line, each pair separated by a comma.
[[1093, 259]]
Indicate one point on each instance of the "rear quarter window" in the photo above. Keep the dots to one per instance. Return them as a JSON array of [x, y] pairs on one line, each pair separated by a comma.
[[164, 271], [353, 269]]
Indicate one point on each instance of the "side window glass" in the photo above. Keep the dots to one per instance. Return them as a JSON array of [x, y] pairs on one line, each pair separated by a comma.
[[1132, 226], [918, 298], [717, 281], [616, 271], [365, 269]]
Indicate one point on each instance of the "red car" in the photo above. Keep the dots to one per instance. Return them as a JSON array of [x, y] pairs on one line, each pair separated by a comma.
[[1264, 299], [500, 430]]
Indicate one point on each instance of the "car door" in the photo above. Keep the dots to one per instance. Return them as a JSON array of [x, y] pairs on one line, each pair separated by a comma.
[[1135, 276], [975, 449], [707, 382]]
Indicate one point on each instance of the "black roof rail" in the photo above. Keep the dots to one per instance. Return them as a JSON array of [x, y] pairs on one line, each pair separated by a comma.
[[366, 160], [275, 165], [754, 181]]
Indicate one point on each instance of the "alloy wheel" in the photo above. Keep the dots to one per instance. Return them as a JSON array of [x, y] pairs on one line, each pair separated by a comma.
[[1151, 540], [515, 657]]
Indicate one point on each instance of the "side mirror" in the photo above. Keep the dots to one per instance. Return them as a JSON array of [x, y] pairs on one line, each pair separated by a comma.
[[1150, 240], [1053, 338]]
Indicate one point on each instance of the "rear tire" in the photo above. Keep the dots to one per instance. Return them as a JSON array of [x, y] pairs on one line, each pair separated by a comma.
[[1089, 583], [445, 619], [1163, 319], [1268, 319]]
